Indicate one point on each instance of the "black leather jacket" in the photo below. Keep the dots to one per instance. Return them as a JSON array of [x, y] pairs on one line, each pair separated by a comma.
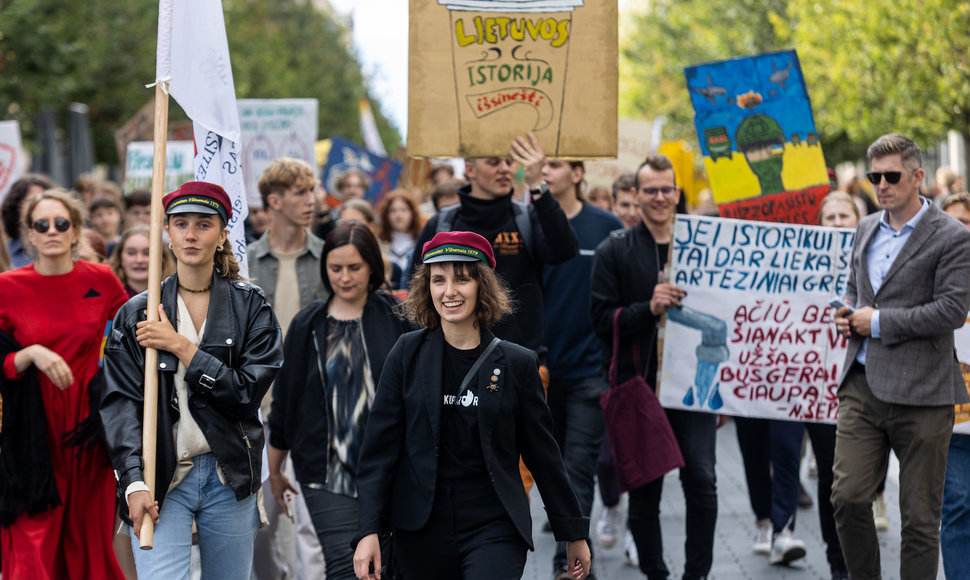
[[238, 358]]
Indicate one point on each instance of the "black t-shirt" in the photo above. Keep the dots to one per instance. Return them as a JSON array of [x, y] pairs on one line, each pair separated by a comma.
[[461, 448]]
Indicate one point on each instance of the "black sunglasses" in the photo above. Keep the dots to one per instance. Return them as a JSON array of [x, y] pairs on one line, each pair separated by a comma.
[[42, 226], [891, 176]]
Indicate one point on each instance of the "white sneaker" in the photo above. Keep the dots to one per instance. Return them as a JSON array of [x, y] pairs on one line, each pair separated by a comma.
[[606, 527], [786, 548], [762, 537], [630, 549], [879, 514]]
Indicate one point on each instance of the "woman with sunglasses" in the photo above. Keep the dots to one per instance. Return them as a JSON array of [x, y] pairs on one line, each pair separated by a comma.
[[57, 501], [454, 410], [219, 348]]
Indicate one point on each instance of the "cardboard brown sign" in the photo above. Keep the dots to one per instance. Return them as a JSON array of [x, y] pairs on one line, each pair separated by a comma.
[[482, 72]]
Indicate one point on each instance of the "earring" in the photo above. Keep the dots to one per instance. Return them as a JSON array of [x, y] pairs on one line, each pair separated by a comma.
[[170, 246], [220, 247]]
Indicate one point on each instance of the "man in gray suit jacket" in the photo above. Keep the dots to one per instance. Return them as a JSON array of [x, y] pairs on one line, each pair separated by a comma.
[[910, 285]]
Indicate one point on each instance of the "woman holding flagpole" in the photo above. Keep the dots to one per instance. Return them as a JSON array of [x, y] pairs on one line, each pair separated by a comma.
[[57, 501], [219, 348]]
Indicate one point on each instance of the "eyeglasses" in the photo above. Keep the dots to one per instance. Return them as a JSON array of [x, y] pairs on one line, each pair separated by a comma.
[[875, 177], [666, 191], [42, 226]]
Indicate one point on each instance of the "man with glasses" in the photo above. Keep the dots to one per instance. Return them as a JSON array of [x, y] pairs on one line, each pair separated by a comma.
[[908, 289], [627, 273]]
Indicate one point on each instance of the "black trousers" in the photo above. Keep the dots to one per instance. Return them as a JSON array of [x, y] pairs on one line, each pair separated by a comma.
[[469, 536]]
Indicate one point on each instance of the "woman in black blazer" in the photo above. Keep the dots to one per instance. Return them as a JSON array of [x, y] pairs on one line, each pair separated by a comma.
[[333, 354], [453, 411]]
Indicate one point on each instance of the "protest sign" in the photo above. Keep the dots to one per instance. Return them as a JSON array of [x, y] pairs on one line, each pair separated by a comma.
[[482, 72], [962, 339], [755, 336], [633, 146], [178, 165], [141, 127], [383, 172], [11, 156], [273, 128], [757, 134]]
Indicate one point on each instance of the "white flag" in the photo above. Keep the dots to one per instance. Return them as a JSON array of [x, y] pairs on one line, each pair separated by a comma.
[[193, 55], [368, 128]]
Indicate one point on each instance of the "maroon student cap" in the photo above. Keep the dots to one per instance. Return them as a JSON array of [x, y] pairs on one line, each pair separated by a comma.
[[458, 247], [199, 197]]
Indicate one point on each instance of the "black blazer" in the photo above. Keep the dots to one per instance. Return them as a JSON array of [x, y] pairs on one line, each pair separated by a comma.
[[398, 466], [299, 419]]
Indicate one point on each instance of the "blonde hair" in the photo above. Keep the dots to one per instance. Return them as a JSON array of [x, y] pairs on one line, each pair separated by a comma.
[[75, 212], [114, 261], [282, 174], [839, 196]]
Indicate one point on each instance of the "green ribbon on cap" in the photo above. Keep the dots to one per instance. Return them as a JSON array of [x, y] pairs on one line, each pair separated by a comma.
[[456, 250]]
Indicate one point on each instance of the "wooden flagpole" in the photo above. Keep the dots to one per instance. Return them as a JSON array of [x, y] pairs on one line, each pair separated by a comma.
[[155, 249]]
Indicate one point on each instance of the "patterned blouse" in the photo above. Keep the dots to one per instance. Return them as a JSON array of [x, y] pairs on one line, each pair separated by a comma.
[[350, 393]]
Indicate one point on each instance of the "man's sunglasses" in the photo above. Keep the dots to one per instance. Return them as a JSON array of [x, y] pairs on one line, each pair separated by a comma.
[[42, 226], [875, 177]]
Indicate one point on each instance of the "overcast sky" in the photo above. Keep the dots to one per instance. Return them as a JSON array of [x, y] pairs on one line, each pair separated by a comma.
[[381, 40]]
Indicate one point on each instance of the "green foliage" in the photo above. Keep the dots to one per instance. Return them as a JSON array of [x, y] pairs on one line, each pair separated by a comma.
[[659, 40], [102, 53], [875, 68], [870, 68]]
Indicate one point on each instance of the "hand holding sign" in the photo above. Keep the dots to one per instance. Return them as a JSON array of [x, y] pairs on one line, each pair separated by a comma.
[[529, 154]]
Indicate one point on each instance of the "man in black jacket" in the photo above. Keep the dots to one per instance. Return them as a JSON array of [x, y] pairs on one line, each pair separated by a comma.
[[486, 208], [627, 273]]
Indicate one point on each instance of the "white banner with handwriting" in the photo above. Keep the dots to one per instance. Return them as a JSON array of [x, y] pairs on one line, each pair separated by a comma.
[[755, 335]]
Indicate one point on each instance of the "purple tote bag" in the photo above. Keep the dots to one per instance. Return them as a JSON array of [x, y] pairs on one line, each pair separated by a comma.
[[643, 444]]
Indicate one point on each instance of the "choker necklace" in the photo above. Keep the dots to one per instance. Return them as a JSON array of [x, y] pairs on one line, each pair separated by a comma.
[[206, 289]]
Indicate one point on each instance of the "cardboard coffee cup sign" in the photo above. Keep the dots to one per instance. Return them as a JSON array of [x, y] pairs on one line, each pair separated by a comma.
[[485, 71]]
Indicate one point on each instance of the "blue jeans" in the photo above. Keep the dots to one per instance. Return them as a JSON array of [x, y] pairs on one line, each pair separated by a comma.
[[955, 528], [771, 450], [226, 527]]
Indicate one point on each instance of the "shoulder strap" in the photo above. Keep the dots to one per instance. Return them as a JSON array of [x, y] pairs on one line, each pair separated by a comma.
[[446, 218], [478, 364], [615, 359], [523, 223]]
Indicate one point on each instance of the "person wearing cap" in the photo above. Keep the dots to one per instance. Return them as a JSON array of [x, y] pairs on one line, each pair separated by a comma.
[[454, 410], [335, 350], [219, 348]]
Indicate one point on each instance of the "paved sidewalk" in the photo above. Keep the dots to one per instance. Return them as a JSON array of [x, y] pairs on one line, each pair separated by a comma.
[[733, 558]]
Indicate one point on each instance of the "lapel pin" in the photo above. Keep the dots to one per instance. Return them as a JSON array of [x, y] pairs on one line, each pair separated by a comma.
[[493, 387]]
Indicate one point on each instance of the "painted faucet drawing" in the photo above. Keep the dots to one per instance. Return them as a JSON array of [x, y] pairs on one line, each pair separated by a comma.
[[711, 352]]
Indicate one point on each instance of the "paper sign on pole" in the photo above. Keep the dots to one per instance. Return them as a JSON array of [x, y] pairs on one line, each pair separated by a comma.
[[178, 165], [274, 128], [755, 336], [633, 146], [11, 156], [757, 134], [482, 72]]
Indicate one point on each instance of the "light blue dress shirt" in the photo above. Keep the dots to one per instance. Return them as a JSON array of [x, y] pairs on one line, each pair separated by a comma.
[[880, 255]]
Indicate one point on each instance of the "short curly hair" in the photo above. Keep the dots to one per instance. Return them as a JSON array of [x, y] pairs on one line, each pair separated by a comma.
[[493, 303]]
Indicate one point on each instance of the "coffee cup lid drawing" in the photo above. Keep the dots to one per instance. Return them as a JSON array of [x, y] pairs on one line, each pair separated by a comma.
[[512, 5]]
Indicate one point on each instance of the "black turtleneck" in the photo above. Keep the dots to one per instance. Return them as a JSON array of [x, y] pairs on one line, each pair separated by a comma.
[[494, 219]]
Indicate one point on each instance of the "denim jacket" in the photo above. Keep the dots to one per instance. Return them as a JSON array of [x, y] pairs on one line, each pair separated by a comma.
[[264, 268]]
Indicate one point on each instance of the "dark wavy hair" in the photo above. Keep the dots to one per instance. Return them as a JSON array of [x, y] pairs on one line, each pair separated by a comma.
[[492, 305], [359, 236]]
